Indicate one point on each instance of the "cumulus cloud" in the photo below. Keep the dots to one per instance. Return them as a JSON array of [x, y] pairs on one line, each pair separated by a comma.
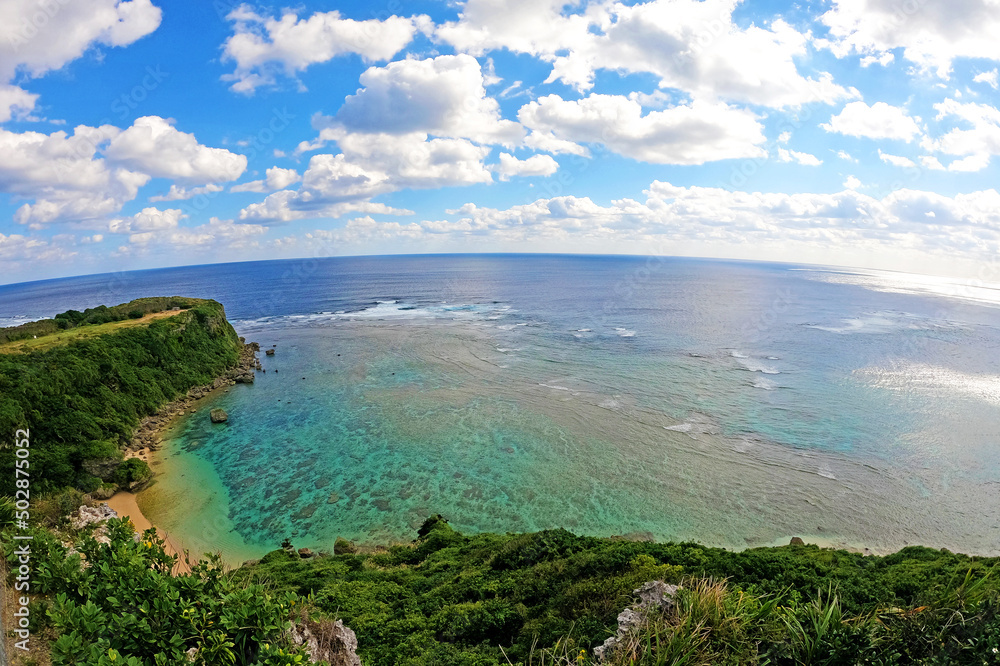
[[895, 160], [805, 159], [878, 121], [536, 165], [161, 229], [15, 102], [979, 140], [147, 221], [92, 172], [695, 134], [263, 47], [931, 34], [277, 179], [693, 45], [747, 224], [443, 96], [370, 165], [154, 146], [180, 193], [39, 37], [989, 78], [63, 176]]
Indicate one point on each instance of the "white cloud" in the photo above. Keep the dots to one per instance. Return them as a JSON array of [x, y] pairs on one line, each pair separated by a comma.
[[931, 34], [39, 37], [262, 47], [277, 179], [715, 221], [161, 230], [980, 141], [536, 165], [989, 78], [695, 134], [976, 162], [154, 146], [15, 102], [693, 45], [147, 221], [801, 158], [92, 172], [844, 155], [931, 162], [878, 121], [370, 165], [895, 160], [883, 59], [179, 193], [443, 96], [63, 176], [852, 183]]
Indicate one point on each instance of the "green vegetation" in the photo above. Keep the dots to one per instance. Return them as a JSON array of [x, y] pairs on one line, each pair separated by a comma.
[[82, 399], [119, 604], [546, 598], [447, 599], [102, 314], [542, 598]]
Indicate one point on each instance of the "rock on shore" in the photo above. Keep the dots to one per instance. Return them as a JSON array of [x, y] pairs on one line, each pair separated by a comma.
[[147, 435]]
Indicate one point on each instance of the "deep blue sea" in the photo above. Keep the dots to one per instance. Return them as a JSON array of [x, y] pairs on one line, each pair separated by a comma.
[[733, 403]]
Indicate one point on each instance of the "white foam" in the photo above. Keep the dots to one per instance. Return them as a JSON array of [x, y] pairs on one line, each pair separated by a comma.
[[391, 310], [765, 384], [752, 365], [624, 332], [682, 427]]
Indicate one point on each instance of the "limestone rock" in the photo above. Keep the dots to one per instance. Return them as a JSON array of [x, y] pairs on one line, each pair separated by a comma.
[[796, 541], [655, 597], [87, 515], [327, 641], [219, 416], [102, 468], [106, 491], [269, 352]]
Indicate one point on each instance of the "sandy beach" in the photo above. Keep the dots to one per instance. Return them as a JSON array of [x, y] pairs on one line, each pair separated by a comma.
[[124, 504]]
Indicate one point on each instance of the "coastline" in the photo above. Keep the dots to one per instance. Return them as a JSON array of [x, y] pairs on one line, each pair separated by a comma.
[[124, 504], [148, 439]]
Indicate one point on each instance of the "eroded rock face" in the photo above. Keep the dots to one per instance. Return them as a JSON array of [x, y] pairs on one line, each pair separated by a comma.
[[655, 597], [327, 641], [219, 416], [87, 515]]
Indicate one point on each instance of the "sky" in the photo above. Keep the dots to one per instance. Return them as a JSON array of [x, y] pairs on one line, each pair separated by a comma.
[[144, 133]]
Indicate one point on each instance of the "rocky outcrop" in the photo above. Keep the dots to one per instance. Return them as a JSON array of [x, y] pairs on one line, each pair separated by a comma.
[[796, 541], [219, 416], [655, 598], [88, 515], [102, 468], [327, 641]]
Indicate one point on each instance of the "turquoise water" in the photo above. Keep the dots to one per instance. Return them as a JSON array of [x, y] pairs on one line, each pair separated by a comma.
[[733, 404]]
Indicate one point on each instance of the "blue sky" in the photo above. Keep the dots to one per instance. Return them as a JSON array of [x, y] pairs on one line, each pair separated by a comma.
[[143, 134]]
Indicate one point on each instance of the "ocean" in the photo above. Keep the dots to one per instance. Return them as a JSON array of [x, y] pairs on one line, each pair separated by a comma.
[[736, 404]]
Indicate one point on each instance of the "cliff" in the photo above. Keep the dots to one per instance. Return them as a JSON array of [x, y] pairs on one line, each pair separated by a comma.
[[83, 382]]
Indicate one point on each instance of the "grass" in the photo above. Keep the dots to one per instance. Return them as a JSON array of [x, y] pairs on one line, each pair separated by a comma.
[[82, 333]]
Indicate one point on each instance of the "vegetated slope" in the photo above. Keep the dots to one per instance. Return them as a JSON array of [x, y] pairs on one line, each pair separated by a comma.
[[453, 599], [82, 399]]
